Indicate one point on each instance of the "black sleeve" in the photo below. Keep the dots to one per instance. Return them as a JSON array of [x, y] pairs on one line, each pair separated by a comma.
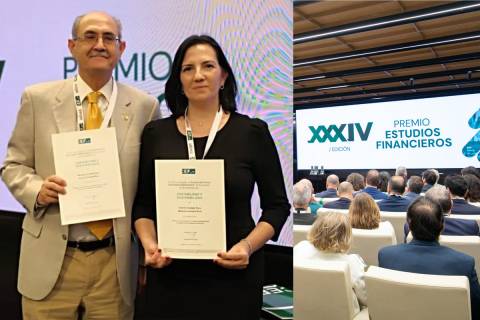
[[269, 178], [144, 205]]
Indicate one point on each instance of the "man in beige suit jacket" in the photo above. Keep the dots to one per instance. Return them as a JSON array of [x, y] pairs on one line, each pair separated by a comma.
[[60, 278]]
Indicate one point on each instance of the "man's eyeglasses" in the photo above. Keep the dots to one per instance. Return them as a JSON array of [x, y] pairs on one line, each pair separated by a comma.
[[91, 38]]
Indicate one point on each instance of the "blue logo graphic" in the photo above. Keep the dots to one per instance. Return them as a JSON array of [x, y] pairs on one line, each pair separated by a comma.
[[473, 146]]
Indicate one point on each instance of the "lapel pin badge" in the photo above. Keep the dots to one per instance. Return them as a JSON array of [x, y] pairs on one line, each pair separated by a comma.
[[125, 116]]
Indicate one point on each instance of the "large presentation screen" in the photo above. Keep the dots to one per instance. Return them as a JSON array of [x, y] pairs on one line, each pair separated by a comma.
[[256, 37], [441, 132]]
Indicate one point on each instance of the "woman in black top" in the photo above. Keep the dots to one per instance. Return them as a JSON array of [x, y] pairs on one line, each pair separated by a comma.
[[230, 286]]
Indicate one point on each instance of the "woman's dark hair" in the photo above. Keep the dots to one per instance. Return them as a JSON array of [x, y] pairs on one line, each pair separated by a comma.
[[176, 100]]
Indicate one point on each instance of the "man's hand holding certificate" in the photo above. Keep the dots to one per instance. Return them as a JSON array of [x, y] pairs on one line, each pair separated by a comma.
[[88, 162]]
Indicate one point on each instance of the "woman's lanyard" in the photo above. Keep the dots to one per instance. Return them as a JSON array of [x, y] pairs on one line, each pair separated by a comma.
[[211, 135], [78, 105]]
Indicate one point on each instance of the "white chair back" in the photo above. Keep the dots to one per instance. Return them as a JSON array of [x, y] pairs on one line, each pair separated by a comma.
[[475, 217], [467, 244], [300, 233], [321, 210], [397, 295], [323, 291], [367, 243], [397, 219], [326, 200]]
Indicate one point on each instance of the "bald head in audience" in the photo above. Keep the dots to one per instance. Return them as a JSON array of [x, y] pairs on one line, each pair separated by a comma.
[[332, 182], [372, 178], [425, 219], [396, 185], [345, 190]]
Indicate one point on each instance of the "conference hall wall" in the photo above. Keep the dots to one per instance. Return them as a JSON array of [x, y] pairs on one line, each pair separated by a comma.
[[255, 35], [436, 132]]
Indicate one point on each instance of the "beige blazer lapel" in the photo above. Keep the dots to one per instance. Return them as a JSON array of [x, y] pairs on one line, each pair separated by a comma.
[[64, 109], [122, 117]]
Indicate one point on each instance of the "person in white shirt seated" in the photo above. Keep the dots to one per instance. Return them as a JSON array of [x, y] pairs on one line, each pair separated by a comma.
[[330, 239]]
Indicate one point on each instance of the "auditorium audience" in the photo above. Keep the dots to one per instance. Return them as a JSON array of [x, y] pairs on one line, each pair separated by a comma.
[[371, 183], [301, 199], [330, 239], [452, 226], [402, 172], [425, 255], [473, 188], [395, 201], [345, 194], [331, 185], [470, 170], [413, 188], [383, 178], [458, 188], [429, 178], [357, 181]]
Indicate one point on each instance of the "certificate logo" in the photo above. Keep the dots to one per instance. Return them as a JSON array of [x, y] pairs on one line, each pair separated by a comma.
[[84, 141], [188, 171]]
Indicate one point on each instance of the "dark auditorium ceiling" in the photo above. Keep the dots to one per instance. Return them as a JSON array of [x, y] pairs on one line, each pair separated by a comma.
[[351, 51]]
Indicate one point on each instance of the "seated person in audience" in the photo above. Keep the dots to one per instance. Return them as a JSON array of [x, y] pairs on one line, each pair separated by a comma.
[[332, 185], [473, 188], [414, 188], [470, 170], [371, 183], [314, 205], [329, 239], [395, 201], [301, 199], [451, 226], [402, 172], [345, 196], [458, 188], [425, 255], [357, 181], [429, 178], [383, 178], [364, 212]]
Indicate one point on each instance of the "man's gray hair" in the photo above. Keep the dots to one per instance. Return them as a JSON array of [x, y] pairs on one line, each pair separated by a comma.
[[441, 195], [401, 171], [333, 179], [78, 19], [301, 195]]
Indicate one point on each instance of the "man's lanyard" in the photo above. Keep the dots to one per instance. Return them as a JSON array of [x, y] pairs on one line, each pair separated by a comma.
[[211, 135], [78, 105]]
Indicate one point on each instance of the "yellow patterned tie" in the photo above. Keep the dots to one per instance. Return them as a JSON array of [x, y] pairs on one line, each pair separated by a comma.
[[94, 121]]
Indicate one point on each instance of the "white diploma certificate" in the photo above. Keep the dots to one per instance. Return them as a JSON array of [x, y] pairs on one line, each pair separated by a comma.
[[190, 198], [88, 161]]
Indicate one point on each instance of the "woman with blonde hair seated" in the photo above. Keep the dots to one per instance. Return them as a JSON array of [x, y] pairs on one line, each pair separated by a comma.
[[330, 239]]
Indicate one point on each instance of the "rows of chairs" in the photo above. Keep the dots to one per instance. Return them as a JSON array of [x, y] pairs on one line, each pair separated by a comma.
[[323, 291]]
